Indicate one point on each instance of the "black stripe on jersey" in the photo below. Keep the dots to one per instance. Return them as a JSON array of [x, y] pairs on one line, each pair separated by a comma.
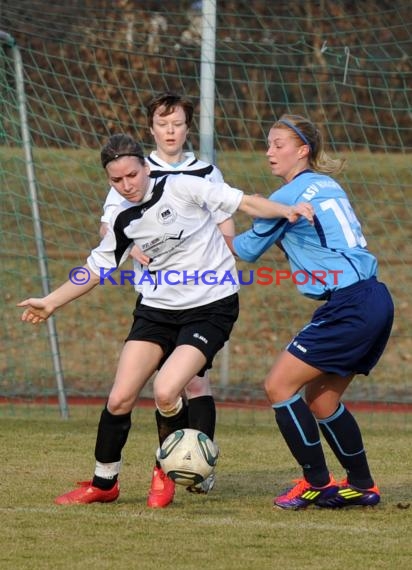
[[150, 159], [201, 172], [133, 213]]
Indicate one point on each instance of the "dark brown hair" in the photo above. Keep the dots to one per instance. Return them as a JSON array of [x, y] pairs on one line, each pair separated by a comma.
[[169, 101], [120, 145]]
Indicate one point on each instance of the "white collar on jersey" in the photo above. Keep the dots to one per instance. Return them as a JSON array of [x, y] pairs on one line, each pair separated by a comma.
[[188, 158]]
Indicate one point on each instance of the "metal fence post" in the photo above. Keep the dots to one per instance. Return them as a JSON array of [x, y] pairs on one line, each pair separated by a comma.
[[38, 233]]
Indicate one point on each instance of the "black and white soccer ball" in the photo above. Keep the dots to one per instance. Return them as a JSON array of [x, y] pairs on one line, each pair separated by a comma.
[[188, 456]]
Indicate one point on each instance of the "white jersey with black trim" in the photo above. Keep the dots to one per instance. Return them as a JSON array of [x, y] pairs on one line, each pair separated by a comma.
[[191, 264], [190, 165]]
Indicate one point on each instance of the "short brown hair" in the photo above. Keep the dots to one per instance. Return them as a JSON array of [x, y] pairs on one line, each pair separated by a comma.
[[169, 101]]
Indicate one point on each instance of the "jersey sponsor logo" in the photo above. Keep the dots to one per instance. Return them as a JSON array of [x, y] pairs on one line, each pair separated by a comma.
[[166, 214], [155, 244]]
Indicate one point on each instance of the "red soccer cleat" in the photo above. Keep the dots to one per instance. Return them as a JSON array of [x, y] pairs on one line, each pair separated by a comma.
[[86, 493], [162, 490]]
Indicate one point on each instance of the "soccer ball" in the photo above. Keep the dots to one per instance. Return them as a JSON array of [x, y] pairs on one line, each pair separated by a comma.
[[188, 456]]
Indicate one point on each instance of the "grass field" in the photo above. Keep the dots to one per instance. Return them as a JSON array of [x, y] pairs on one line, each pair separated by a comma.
[[71, 189], [233, 527]]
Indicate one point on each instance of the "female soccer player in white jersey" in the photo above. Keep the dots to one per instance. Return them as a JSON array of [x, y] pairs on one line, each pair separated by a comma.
[[190, 299], [346, 335], [169, 117]]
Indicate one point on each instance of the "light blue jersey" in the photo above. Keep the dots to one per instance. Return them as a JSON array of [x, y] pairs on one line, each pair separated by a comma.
[[327, 256]]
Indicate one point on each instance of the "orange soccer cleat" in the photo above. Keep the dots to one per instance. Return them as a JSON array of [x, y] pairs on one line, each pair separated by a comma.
[[304, 494]]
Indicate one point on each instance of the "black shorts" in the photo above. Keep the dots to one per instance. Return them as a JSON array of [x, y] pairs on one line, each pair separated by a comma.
[[138, 301], [207, 327]]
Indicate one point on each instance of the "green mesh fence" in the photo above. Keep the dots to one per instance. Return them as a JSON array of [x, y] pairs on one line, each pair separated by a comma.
[[90, 66]]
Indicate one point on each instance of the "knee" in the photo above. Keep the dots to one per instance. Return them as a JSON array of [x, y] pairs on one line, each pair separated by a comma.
[[271, 391], [197, 387], [316, 411], [276, 391], [322, 409], [315, 407], [322, 405], [167, 409], [165, 399], [116, 404]]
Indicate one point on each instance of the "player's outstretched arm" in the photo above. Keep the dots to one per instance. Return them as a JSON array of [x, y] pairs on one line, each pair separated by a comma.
[[227, 227], [37, 310], [260, 207], [229, 243]]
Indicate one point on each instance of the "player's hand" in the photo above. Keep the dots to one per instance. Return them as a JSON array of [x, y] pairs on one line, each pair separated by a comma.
[[139, 256], [36, 311], [303, 209]]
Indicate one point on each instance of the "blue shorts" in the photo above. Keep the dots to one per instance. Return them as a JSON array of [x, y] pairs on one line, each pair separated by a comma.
[[348, 334]]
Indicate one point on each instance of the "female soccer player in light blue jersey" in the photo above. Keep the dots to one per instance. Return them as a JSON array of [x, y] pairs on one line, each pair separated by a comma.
[[347, 333]]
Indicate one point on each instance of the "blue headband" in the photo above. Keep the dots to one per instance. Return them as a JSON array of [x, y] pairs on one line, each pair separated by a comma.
[[297, 131]]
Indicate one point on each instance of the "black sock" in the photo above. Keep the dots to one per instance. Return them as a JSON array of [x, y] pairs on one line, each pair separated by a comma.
[[104, 484], [202, 415], [111, 437], [169, 424], [343, 435], [301, 433]]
